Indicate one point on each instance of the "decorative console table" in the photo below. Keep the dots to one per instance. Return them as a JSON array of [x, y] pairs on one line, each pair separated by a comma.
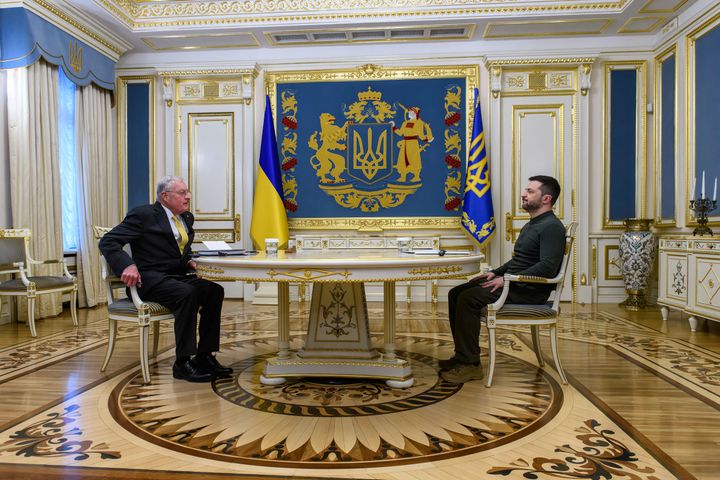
[[338, 336], [690, 277]]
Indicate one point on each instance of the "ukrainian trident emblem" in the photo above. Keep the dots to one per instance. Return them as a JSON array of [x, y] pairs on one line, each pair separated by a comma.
[[369, 175]]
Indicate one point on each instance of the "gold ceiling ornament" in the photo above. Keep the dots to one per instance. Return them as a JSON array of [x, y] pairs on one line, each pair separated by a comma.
[[141, 13]]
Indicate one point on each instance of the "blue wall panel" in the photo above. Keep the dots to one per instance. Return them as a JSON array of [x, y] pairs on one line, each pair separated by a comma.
[[707, 109], [623, 141], [667, 131], [138, 144]]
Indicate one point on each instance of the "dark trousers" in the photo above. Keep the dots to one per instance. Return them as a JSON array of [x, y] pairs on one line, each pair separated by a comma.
[[467, 304], [185, 295]]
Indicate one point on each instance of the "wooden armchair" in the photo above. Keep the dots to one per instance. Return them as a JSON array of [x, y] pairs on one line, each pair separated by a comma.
[[500, 313], [15, 260], [131, 309]]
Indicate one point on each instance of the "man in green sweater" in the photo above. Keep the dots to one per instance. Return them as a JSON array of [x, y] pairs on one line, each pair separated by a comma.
[[538, 252]]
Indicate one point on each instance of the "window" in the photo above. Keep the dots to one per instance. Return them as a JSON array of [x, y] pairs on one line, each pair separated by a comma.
[[68, 161]]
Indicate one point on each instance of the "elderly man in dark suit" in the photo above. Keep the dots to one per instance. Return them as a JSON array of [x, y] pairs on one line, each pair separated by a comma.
[[160, 236]]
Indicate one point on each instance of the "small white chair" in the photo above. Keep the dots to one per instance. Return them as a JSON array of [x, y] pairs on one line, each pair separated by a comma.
[[131, 309], [500, 313], [15, 260]]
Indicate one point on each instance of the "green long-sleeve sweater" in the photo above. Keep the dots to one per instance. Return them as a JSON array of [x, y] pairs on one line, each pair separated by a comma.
[[539, 248]]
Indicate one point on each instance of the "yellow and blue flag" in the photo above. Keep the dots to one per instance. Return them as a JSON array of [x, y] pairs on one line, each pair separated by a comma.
[[269, 218], [478, 218]]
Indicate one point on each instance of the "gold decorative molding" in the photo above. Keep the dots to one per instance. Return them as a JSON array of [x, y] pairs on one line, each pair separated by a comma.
[[532, 279], [522, 62], [594, 262], [432, 270], [640, 68], [658, 152], [373, 72], [307, 275], [226, 72], [15, 232], [236, 227], [121, 92], [613, 261], [144, 14], [376, 224], [205, 269], [202, 235]]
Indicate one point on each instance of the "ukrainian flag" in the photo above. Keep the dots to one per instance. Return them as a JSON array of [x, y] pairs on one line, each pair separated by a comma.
[[269, 219], [478, 218]]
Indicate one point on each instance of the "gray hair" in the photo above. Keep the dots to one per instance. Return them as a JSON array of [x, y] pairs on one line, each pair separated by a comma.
[[164, 183]]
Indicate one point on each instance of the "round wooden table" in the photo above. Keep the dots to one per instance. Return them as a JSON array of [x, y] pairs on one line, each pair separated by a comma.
[[338, 338]]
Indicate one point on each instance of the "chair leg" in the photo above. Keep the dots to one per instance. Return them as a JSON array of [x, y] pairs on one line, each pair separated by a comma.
[[31, 316], [536, 344], [491, 355], [73, 306], [156, 337], [112, 330], [144, 354], [556, 355]]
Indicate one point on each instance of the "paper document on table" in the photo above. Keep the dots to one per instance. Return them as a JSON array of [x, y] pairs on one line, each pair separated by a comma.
[[216, 245]]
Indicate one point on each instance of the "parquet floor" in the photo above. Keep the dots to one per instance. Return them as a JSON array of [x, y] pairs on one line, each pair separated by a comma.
[[643, 403]]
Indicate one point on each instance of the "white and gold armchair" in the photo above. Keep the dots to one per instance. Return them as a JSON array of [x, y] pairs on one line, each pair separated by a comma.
[[132, 309], [501, 313], [16, 262]]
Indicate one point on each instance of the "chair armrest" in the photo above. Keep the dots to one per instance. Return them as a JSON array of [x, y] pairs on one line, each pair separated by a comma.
[[61, 261], [503, 296], [135, 297], [532, 279], [509, 278], [23, 276]]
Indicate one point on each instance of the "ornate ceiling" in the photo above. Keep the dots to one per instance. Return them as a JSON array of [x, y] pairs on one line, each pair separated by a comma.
[[152, 25]]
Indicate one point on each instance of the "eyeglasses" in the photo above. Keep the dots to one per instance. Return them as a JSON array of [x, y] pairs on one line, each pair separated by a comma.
[[182, 193]]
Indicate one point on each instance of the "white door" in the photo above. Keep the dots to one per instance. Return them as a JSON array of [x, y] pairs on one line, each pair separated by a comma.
[[537, 139], [209, 157]]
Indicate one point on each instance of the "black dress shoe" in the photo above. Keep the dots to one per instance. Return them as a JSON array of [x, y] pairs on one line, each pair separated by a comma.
[[190, 371], [448, 364], [207, 361]]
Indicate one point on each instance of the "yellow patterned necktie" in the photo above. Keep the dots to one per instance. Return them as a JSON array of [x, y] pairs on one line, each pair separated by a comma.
[[182, 232]]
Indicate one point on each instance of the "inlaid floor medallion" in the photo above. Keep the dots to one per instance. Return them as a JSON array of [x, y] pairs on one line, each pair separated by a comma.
[[325, 422]]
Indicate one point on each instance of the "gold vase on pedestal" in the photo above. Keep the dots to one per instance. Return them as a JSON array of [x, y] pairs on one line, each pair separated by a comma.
[[637, 255]]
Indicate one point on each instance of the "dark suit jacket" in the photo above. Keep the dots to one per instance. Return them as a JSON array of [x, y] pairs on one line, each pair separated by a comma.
[[154, 249]]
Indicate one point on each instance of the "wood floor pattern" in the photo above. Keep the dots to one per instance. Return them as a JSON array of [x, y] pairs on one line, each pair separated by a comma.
[[643, 403]]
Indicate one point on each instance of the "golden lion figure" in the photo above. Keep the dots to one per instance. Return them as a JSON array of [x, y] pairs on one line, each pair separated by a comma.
[[327, 164]]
